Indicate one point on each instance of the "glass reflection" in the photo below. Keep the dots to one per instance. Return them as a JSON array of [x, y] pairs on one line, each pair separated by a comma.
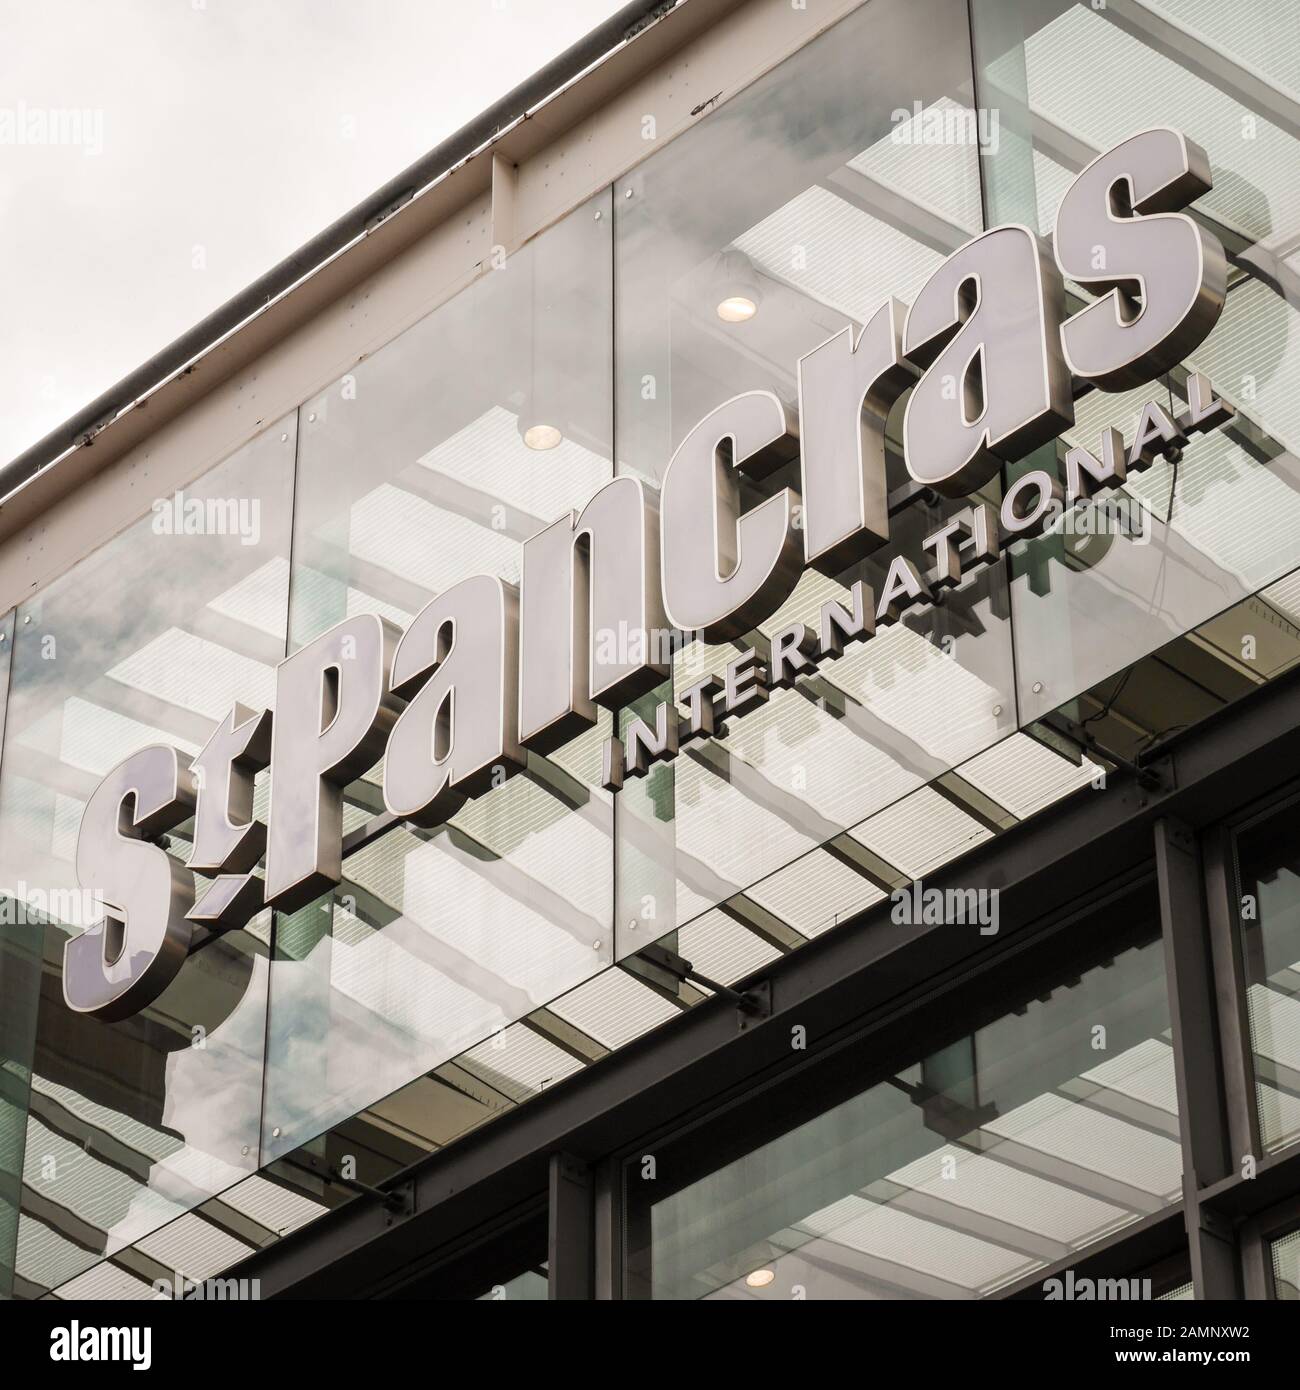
[[1223, 521], [799, 207], [479, 426], [1268, 858], [149, 639], [995, 1156]]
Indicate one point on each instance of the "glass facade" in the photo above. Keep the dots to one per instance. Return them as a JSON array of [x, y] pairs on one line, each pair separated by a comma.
[[437, 939], [1269, 870], [459, 972], [1222, 522], [151, 639], [995, 1155]]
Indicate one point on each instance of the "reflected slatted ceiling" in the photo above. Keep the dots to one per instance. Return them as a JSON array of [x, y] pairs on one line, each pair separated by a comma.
[[1025, 776], [489, 456], [1279, 1114], [980, 1183], [316, 592], [736, 838], [1255, 343], [1093, 1140], [270, 1205], [144, 1139], [920, 833], [403, 993], [946, 181], [507, 818], [809, 759], [463, 907], [1275, 1026], [581, 756], [1269, 43], [106, 1281], [92, 738], [1144, 1073], [196, 675], [1051, 180], [95, 1191], [853, 262], [520, 1062], [260, 599], [1126, 86], [614, 1008], [44, 1257], [390, 528], [942, 706], [903, 680], [1285, 594], [194, 1247], [914, 1244], [721, 948], [815, 892], [187, 1172]]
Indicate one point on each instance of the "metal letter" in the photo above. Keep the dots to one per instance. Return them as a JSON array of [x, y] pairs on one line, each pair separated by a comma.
[[334, 710], [846, 388], [124, 962], [228, 842], [986, 325], [646, 746], [723, 573], [840, 625], [591, 614], [1162, 278], [458, 664]]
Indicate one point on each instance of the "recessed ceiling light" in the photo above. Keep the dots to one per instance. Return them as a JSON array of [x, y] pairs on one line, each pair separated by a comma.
[[542, 436], [760, 1278], [736, 308]]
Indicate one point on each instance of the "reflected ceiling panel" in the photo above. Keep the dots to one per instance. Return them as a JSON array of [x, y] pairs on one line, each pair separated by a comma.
[[815, 893], [614, 1008]]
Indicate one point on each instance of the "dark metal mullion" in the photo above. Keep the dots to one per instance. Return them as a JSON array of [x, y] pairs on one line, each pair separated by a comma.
[[570, 1239], [1223, 903], [608, 1229], [1198, 1067], [1222, 899]]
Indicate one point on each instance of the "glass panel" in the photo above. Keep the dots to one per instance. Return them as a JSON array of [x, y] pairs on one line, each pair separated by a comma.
[[532, 1286], [431, 461], [1286, 1267], [1268, 857], [1001, 1153], [1225, 520], [841, 178], [20, 955], [150, 639]]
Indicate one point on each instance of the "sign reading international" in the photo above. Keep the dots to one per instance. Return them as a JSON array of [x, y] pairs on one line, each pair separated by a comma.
[[486, 672]]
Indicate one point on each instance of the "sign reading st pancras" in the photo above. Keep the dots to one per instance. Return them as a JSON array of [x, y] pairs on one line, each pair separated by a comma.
[[486, 671]]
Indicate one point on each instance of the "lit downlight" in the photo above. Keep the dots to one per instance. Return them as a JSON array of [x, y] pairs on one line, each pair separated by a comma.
[[542, 436], [735, 287]]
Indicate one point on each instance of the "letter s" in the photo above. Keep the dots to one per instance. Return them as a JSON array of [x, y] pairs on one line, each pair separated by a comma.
[[1162, 278], [124, 962]]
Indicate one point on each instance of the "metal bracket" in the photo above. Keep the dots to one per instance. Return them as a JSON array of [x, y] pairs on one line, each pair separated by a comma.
[[752, 1006], [1215, 1225]]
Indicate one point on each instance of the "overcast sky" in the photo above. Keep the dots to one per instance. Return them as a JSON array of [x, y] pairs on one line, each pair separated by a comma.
[[216, 137]]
